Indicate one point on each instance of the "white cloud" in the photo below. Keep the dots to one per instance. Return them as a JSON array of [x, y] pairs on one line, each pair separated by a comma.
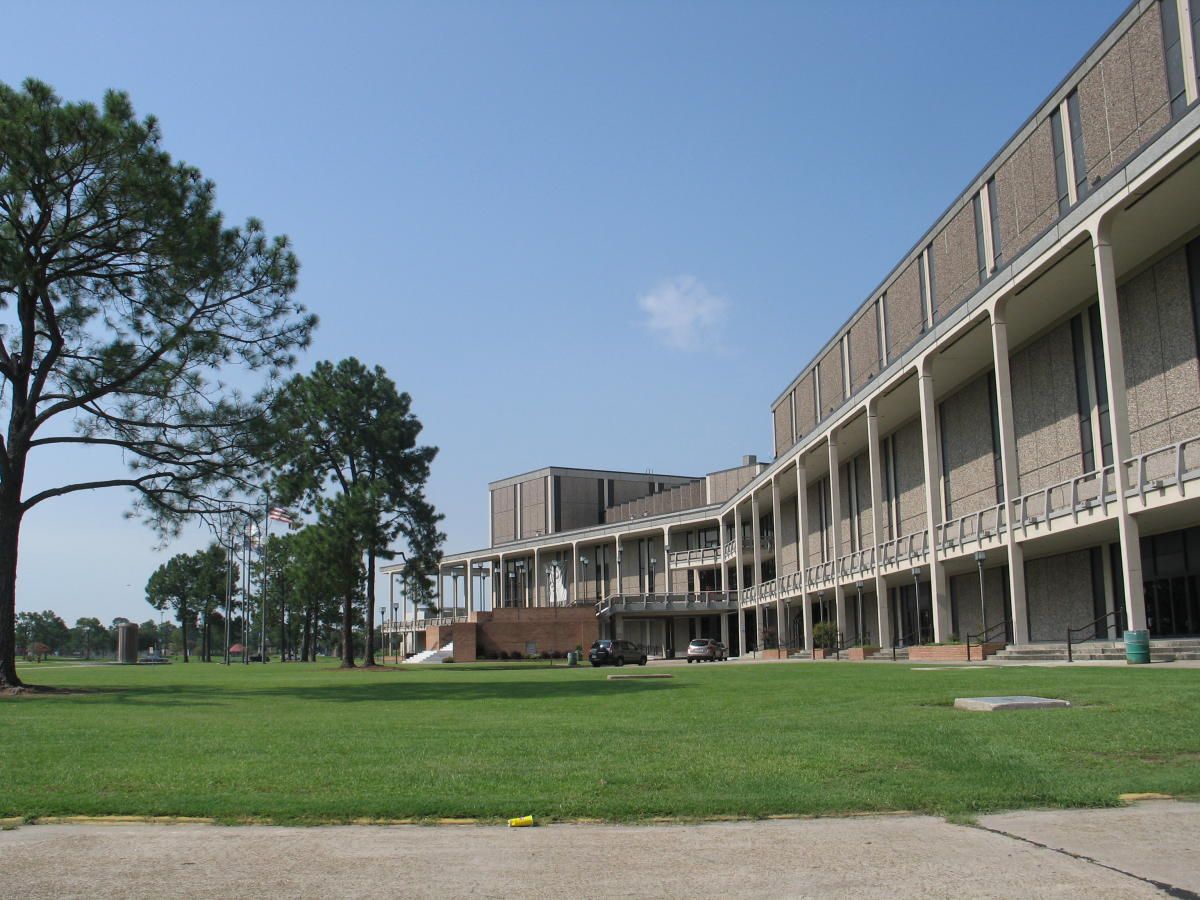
[[683, 313]]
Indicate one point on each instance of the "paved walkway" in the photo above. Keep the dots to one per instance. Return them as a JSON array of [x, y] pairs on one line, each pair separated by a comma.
[[1150, 849]]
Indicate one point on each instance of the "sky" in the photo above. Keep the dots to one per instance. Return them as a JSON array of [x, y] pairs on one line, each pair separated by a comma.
[[597, 234]]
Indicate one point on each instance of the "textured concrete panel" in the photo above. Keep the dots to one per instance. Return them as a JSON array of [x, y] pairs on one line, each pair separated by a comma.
[[1161, 372], [955, 262], [503, 516], [832, 383], [816, 531], [1059, 593], [782, 417], [806, 411], [905, 318], [1045, 410], [910, 478], [862, 472], [967, 456], [1026, 193], [785, 538], [533, 507], [1123, 98], [864, 349], [964, 593]]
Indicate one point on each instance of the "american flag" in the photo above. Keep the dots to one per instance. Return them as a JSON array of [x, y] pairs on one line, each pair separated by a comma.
[[281, 515]]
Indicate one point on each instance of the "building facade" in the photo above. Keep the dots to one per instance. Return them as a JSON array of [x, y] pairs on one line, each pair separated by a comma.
[[1002, 441]]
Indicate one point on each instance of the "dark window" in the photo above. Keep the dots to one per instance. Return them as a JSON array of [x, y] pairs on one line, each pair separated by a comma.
[[932, 286], [1174, 51], [1196, 31], [1099, 606], [1083, 396], [946, 501], [981, 262], [1193, 260], [994, 204], [994, 419], [1060, 162], [1101, 377], [1081, 182], [557, 525]]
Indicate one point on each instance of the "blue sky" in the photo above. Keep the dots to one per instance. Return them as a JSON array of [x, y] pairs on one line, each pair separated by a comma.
[[594, 234]]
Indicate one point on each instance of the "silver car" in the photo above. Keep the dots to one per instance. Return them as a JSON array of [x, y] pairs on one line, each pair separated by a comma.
[[705, 650]]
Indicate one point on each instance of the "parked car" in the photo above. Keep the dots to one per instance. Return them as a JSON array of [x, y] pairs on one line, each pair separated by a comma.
[[705, 650], [615, 653]]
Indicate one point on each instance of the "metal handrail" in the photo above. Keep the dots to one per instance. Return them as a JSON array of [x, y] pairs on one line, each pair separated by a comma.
[[983, 636], [1115, 615], [897, 641]]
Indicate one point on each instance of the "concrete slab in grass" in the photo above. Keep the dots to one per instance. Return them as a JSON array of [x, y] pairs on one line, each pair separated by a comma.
[[994, 704], [632, 677]]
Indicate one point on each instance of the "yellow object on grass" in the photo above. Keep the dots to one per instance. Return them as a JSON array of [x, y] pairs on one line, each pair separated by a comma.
[[521, 822]]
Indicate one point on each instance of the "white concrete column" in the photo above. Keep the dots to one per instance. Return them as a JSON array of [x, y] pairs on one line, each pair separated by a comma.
[[1118, 416], [931, 446], [620, 581], [535, 584], [667, 565], [1187, 49], [781, 623], [835, 520], [738, 578], [573, 590], [802, 550], [756, 551], [721, 539], [470, 586], [1011, 488], [876, 469], [725, 629]]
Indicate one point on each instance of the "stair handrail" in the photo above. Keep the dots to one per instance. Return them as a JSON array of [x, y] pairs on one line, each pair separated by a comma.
[[901, 639], [983, 638], [1114, 615]]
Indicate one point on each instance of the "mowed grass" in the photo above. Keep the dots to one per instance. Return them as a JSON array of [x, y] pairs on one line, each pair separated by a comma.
[[309, 743]]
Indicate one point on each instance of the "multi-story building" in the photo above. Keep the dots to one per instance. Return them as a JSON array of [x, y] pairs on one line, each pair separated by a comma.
[[1004, 437]]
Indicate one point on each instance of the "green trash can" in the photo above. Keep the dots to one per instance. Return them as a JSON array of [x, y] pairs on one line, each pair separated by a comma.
[[1137, 647]]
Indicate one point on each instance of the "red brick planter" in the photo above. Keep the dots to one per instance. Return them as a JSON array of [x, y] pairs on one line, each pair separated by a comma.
[[951, 652], [858, 654]]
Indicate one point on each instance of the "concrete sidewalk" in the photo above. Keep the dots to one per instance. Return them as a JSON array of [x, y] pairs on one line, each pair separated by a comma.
[[1138, 851]]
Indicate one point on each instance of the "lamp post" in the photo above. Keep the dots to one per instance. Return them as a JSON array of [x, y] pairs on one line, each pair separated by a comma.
[[980, 557], [859, 621], [917, 601], [583, 561]]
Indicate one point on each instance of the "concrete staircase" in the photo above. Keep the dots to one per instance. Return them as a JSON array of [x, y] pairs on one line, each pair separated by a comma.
[[885, 653], [1161, 650], [432, 656]]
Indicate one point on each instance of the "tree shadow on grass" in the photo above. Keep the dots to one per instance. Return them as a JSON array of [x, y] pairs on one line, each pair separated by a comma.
[[400, 691]]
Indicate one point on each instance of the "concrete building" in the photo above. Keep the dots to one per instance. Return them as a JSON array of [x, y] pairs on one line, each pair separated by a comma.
[[1002, 441]]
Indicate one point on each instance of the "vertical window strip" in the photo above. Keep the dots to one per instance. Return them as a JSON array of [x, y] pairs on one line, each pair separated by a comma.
[[1060, 161], [947, 503], [994, 217], [1083, 400], [1176, 85], [1078, 161], [994, 422], [931, 282], [883, 329], [845, 345], [1193, 271], [1100, 374], [981, 256]]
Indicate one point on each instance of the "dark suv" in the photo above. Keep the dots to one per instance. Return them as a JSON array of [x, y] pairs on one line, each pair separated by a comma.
[[615, 653]]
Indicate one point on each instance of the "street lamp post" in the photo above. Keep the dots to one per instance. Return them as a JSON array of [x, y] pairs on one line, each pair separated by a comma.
[[858, 625], [980, 557], [917, 601]]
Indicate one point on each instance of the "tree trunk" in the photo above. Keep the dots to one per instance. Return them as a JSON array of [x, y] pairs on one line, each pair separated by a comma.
[[183, 626], [305, 636], [282, 633], [369, 655], [348, 632], [10, 534]]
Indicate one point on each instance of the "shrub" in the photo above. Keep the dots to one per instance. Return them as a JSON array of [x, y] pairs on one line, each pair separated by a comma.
[[516, 654], [503, 654], [825, 635]]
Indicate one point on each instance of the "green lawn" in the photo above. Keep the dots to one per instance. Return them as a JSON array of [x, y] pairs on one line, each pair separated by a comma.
[[296, 743]]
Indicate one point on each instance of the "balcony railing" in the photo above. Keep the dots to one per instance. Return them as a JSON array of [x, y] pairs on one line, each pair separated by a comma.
[[1066, 498], [705, 556], [975, 528], [1170, 466], [405, 625], [906, 548], [630, 603]]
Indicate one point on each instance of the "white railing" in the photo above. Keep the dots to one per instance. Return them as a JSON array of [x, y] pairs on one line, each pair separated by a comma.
[[1071, 497], [975, 527], [402, 625], [906, 548], [1171, 465], [704, 556], [790, 585], [821, 572], [703, 600], [859, 562], [729, 551]]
